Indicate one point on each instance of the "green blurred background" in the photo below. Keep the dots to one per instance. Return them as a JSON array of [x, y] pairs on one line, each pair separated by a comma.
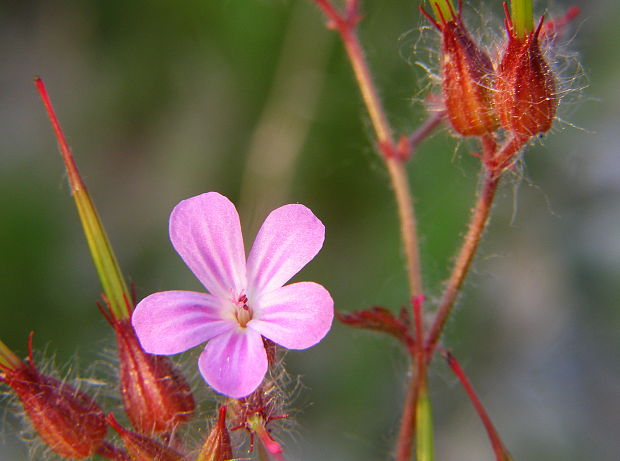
[[254, 98]]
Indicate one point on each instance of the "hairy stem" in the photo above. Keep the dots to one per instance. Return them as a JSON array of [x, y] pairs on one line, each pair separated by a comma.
[[501, 454], [394, 158], [408, 225], [426, 129], [346, 27], [465, 256], [408, 419]]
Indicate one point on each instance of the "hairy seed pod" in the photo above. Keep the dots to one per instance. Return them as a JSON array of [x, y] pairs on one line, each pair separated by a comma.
[[525, 96], [69, 421], [467, 78], [155, 395]]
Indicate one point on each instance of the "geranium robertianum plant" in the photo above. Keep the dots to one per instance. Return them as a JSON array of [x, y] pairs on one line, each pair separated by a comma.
[[248, 313]]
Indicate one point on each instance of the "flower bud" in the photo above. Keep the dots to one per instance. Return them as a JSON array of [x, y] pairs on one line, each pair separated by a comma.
[[69, 421], [467, 78], [155, 395], [217, 446], [142, 448], [525, 97]]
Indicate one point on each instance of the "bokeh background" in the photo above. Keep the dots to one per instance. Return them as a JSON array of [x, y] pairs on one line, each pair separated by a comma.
[[254, 98]]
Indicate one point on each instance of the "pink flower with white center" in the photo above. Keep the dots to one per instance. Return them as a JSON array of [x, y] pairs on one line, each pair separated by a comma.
[[246, 300]]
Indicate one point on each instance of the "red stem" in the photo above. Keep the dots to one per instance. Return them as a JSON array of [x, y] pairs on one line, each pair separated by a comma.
[[408, 421], [394, 160], [345, 24], [498, 447], [425, 130], [495, 163], [476, 228], [408, 418]]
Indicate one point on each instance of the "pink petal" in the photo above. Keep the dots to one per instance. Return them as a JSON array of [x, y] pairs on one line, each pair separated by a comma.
[[205, 231], [234, 363], [296, 316], [170, 322], [288, 239]]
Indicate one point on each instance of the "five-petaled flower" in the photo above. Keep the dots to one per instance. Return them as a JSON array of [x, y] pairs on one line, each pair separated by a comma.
[[246, 301]]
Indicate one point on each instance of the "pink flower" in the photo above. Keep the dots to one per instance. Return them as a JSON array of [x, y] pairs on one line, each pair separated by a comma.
[[246, 301]]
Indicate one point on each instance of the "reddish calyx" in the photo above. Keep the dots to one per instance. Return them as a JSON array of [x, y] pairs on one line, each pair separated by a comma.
[[68, 420], [156, 397], [525, 89], [467, 78]]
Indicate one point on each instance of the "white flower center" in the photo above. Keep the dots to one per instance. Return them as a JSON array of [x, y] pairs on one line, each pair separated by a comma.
[[243, 312]]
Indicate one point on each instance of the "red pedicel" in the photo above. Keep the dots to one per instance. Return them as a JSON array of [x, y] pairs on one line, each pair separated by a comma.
[[525, 96], [467, 79], [69, 421]]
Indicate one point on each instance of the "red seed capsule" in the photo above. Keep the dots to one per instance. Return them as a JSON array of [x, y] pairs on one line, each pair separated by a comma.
[[69, 421], [525, 97], [467, 78], [155, 395]]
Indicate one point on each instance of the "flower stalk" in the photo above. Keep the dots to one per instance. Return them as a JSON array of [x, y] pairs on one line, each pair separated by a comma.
[[346, 24], [501, 454], [477, 225]]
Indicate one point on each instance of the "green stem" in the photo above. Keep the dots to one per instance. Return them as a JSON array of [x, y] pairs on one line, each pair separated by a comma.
[[424, 424]]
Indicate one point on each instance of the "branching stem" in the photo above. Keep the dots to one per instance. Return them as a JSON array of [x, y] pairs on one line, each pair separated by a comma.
[[465, 256], [345, 24], [495, 163]]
